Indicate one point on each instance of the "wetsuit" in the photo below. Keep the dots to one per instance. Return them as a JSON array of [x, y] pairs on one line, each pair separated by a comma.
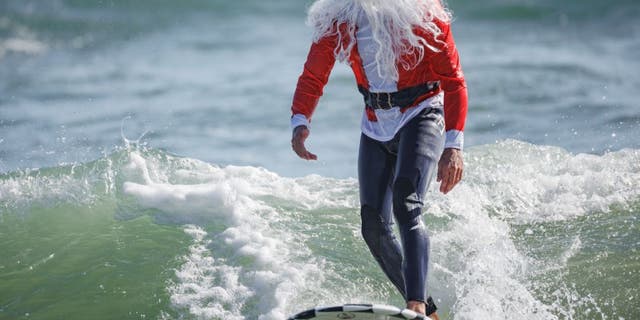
[[400, 145]]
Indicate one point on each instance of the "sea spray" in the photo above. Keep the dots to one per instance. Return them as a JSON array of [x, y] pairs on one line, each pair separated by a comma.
[[514, 239], [250, 268]]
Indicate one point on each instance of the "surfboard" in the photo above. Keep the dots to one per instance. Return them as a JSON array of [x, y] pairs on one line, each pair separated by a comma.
[[358, 312]]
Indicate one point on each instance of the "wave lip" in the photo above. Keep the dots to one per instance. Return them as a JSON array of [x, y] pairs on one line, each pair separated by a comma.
[[245, 262], [511, 185], [525, 183]]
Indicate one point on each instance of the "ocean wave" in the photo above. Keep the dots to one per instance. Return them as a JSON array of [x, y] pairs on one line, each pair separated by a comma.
[[260, 242]]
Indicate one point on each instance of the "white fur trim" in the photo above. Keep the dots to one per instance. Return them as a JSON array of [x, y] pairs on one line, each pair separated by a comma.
[[454, 139], [299, 120]]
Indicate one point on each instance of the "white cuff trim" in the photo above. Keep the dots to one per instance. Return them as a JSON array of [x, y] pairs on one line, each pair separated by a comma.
[[454, 139], [299, 120]]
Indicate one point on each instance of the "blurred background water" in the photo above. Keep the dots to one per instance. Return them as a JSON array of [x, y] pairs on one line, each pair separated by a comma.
[[146, 168], [213, 80]]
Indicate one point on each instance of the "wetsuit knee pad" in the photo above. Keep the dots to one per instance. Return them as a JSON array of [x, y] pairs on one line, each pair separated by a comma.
[[407, 203]]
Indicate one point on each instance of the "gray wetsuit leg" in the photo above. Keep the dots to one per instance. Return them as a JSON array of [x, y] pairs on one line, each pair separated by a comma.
[[394, 177]]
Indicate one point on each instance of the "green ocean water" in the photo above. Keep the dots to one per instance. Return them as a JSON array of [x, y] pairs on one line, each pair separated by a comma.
[[602, 263], [78, 262], [176, 238]]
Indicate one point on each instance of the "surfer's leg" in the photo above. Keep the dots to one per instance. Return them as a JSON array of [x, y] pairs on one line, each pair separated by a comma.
[[375, 173], [420, 147]]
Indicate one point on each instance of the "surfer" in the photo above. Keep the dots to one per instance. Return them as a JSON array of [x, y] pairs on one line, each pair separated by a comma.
[[407, 69]]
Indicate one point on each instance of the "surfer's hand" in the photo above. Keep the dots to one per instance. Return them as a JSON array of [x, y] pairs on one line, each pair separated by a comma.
[[450, 169], [300, 134]]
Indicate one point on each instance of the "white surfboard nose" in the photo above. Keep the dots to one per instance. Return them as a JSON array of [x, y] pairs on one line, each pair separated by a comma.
[[358, 312]]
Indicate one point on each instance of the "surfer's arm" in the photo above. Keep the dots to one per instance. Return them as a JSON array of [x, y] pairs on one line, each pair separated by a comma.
[[314, 77], [446, 65]]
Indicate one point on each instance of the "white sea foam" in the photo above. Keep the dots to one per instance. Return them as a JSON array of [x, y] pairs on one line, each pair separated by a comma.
[[525, 183], [250, 269], [487, 275], [249, 256], [485, 271], [517, 183], [48, 187], [214, 286]]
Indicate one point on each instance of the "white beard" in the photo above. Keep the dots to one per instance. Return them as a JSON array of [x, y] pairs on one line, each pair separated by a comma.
[[392, 23]]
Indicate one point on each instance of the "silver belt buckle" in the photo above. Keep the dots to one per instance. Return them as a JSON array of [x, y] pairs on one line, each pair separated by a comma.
[[379, 103]]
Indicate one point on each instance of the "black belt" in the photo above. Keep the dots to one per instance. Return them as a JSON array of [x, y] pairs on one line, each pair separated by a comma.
[[403, 98]]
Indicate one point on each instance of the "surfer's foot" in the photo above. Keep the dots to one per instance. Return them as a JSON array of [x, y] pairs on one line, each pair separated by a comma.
[[417, 306], [421, 308]]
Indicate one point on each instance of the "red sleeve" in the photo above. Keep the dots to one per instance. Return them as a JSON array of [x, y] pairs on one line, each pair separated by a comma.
[[314, 77], [446, 65]]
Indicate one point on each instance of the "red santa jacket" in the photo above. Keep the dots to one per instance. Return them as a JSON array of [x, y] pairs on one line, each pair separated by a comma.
[[442, 65]]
